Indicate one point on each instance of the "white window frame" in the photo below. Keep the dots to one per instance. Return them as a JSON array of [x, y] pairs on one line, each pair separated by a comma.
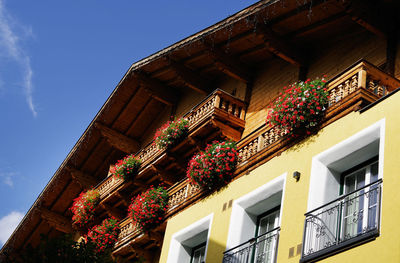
[[323, 182], [242, 225], [177, 251]]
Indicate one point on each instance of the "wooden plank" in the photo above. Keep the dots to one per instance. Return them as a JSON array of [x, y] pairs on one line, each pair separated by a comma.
[[167, 177], [280, 47], [156, 88], [192, 79], [112, 211], [229, 65], [364, 14], [85, 180], [56, 220], [117, 139]]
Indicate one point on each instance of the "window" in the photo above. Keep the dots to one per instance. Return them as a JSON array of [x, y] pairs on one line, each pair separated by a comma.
[[190, 244], [198, 254], [360, 202], [264, 249], [344, 197], [254, 226]]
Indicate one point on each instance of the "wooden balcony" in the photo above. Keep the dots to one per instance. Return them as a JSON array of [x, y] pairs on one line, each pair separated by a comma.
[[181, 195], [349, 91], [358, 86], [220, 115]]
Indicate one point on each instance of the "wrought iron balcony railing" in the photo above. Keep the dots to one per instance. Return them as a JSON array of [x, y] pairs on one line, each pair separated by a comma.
[[261, 249], [350, 219]]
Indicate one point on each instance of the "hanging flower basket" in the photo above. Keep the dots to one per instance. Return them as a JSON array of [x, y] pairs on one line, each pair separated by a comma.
[[300, 108], [148, 208], [105, 235], [83, 208], [171, 133], [214, 167], [127, 168]]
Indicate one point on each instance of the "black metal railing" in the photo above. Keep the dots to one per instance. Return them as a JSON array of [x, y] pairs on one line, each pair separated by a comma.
[[261, 249], [351, 218]]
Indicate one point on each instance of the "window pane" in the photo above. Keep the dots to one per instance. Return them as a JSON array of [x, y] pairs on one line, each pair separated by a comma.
[[374, 172], [267, 223], [198, 254]]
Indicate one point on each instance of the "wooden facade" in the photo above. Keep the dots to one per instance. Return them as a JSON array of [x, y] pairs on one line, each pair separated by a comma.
[[221, 79]]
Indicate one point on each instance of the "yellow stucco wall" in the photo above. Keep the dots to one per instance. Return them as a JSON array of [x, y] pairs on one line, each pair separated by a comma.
[[384, 249]]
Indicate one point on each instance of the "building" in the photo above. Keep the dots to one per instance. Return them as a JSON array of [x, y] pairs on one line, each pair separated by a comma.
[[330, 197]]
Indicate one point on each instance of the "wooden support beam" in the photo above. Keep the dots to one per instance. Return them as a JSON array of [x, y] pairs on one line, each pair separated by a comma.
[[117, 139], [167, 177], [227, 131], [86, 181], [156, 237], [179, 162], [55, 220], [156, 88], [199, 145], [124, 200], [140, 184], [280, 47], [192, 79], [112, 211], [141, 253], [228, 64], [365, 13]]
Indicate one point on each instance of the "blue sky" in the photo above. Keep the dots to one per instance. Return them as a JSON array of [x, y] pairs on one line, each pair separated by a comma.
[[59, 61]]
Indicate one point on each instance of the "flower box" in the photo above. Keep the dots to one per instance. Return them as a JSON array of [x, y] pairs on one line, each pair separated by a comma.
[[300, 108], [148, 208], [213, 167]]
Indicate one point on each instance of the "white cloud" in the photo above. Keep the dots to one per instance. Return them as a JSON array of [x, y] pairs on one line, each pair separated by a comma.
[[7, 178], [7, 225], [11, 48]]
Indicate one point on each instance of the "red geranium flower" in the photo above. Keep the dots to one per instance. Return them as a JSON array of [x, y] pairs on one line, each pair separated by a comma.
[[213, 167], [171, 133], [148, 208], [127, 168], [300, 107], [83, 208], [104, 235]]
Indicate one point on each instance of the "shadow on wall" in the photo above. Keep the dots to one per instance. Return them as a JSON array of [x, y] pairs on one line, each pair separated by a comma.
[[215, 252]]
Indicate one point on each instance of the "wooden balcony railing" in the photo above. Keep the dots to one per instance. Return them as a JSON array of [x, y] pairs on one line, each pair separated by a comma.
[[217, 106], [357, 86]]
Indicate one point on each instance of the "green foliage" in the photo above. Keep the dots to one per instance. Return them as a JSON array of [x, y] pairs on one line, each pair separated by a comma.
[[62, 249]]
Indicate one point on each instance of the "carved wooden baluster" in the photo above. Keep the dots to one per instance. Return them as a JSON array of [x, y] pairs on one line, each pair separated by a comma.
[[371, 86], [276, 134], [223, 104], [346, 89], [229, 107], [178, 197], [255, 146], [339, 94], [244, 153], [250, 151], [170, 202], [381, 90], [332, 97], [354, 83], [216, 101], [265, 140], [271, 136], [187, 191], [235, 110]]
